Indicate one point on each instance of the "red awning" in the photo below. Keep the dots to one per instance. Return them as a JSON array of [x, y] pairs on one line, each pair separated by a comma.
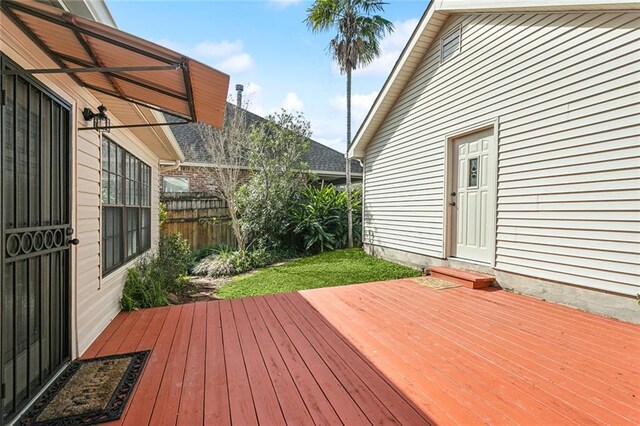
[[113, 62]]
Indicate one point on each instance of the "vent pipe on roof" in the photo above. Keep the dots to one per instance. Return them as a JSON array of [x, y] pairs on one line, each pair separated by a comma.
[[239, 90]]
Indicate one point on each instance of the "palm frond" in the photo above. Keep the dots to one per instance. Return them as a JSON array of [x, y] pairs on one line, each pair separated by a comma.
[[359, 29]]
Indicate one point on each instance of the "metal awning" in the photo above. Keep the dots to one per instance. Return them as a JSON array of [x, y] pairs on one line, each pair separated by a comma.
[[112, 62]]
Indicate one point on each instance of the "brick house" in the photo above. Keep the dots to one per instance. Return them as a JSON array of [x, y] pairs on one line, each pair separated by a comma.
[[194, 174]]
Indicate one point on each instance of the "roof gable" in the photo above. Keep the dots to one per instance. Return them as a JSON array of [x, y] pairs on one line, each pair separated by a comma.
[[427, 32], [320, 158]]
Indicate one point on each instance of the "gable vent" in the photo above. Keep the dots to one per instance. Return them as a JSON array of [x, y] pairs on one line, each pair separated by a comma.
[[450, 44]]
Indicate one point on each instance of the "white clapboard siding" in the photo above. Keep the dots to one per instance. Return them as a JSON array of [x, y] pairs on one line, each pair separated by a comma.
[[565, 88], [96, 301]]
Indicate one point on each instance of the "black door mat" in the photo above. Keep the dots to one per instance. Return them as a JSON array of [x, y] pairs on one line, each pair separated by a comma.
[[88, 391]]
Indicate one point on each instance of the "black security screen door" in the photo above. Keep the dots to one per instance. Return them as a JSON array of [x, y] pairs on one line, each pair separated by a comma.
[[35, 193]]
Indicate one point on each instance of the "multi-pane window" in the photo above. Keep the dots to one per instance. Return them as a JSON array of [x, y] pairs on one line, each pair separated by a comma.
[[126, 206]]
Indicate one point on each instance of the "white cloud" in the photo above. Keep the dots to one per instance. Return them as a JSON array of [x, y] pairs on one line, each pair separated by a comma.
[[252, 97], [284, 3], [390, 48], [292, 102], [220, 49], [236, 64], [360, 105], [227, 56]]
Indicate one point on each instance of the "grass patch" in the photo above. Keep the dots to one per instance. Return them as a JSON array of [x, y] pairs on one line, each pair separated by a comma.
[[327, 269]]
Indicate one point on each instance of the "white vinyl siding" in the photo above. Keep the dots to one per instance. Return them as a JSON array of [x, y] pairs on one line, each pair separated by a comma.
[[565, 89]]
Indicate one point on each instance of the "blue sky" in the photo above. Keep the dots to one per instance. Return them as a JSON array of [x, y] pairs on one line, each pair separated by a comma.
[[266, 46]]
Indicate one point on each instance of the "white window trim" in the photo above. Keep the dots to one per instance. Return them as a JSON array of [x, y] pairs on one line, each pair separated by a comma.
[[457, 29]]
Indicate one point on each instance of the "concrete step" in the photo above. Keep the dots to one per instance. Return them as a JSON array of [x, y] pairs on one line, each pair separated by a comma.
[[465, 278]]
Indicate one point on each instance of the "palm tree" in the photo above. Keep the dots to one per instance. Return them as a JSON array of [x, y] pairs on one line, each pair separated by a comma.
[[356, 43]]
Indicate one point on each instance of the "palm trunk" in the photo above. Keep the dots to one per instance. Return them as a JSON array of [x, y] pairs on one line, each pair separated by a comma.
[[348, 161]]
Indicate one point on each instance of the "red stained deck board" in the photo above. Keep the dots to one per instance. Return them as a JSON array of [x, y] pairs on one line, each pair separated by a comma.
[[104, 337], [340, 399], [441, 399], [291, 402], [130, 343], [532, 337], [520, 361], [191, 411], [463, 275], [316, 401], [378, 353], [367, 401], [241, 397], [267, 405], [165, 411], [216, 395], [375, 396], [581, 385], [140, 407]]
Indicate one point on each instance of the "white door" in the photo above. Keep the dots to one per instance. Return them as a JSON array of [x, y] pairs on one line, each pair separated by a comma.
[[472, 195]]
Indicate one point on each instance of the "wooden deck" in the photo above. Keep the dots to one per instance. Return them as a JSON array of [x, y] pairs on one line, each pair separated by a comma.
[[381, 353]]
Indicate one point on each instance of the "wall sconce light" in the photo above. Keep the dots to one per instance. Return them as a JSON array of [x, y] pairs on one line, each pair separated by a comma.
[[100, 120]]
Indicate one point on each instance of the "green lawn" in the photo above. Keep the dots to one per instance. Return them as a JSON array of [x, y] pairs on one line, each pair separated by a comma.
[[323, 270]]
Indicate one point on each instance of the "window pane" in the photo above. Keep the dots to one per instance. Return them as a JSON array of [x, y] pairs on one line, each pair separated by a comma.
[[146, 229], [132, 231], [105, 188], [105, 154], [119, 191], [112, 241], [119, 159], [112, 157], [175, 184], [112, 188]]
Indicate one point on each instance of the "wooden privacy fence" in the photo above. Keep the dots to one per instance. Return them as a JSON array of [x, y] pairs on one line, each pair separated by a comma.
[[203, 219]]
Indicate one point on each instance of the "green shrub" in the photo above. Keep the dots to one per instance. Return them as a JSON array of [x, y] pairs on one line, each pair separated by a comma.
[[174, 256], [201, 253], [276, 151], [143, 287], [230, 262], [319, 216], [155, 276]]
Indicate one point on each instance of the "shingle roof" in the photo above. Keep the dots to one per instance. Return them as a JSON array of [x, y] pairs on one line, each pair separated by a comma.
[[320, 157]]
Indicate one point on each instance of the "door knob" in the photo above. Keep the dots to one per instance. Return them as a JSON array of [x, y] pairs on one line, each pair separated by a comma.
[[453, 194], [452, 203], [74, 242]]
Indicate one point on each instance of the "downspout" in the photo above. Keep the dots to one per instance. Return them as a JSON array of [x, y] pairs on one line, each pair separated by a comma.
[[362, 192]]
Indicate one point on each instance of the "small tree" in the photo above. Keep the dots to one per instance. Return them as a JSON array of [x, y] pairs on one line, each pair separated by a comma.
[[227, 149], [275, 155]]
